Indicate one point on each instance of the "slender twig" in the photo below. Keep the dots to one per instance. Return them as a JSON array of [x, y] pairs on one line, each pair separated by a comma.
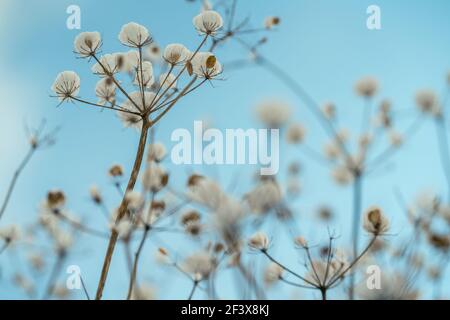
[[136, 262]]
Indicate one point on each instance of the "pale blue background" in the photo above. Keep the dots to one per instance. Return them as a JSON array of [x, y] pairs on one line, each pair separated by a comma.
[[326, 46]]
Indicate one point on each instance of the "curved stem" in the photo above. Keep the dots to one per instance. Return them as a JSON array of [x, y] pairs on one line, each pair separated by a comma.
[[357, 198], [12, 184], [135, 264], [123, 207], [191, 295]]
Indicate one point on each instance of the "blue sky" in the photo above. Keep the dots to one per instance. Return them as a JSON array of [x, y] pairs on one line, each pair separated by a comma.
[[325, 44]]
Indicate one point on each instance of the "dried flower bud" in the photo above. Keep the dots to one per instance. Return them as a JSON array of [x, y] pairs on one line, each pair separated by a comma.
[[301, 242], [375, 222], [116, 171]]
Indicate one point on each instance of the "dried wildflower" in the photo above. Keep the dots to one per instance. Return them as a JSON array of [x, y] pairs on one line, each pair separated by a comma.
[[134, 35], [271, 22], [10, 233], [208, 22], [273, 113], [375, 222], [135, 119], [95, 195], [295, 133], [66, 85], [152, 52], [55, 199], [325, 213], [441, 242], [264, 197], [342, 175], [205, 65], [60, 291], [190, 217], [200, 265], [332, 150], [273, 273], [427, 101], [124, 228], [87, 43], [144, 76], [116, 171], [156, 152], [109, 64], [300, 242], [193, 229], [366, 87], [105, 90], [135, 200], [155, 177], [176, 54], [206, 191], [259, 241]]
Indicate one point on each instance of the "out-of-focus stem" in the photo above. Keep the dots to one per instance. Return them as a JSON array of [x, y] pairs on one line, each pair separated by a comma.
[[16, 175], [357, 199]]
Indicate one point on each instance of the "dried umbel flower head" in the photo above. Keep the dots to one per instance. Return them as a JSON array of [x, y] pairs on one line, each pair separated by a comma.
[[190, 217], [176, 54], [95, 194], [135, 200], [156, 152], [109, 64], [440, 242], [208, 22], [427, 101], [325, 213], [205, 65], [10, 233], [273, 273], [271, 22], [366, 87], [105, 90], [55, 199], [66, 85], [200, 265], [63, 241], [87, 43], [116, 171], [295, 133], [134, 35], [342, 175], [155, 177], [136, 106], [143, 292], [259, 241], [375, 222], [300, 242], [264, 197], [273, 113]]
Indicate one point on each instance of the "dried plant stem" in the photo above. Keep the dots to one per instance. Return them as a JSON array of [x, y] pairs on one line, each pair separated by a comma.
[[194, 287], [252, 281], [136, 262], [16, 175], [54, 275], [123, 207], [357, 200]]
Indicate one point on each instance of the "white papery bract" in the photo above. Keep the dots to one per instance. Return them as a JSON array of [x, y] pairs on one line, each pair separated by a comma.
[[176, 53], [167, 80], [109, 64], [87, 43], [208, 22], [105, 90], [205, 65], [66, 85], [134, 35], [144, 77]]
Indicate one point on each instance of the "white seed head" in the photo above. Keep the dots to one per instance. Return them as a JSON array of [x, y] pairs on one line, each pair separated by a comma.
[[208, 22], [134, 35], [87, 43], [176, 53], [366, 87], [66, 85], [259, 241]]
